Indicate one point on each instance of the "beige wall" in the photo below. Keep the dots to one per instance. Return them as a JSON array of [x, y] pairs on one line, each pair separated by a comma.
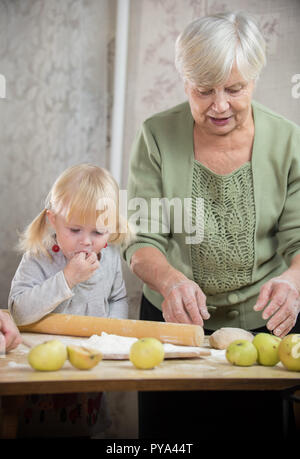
[[57, 58]]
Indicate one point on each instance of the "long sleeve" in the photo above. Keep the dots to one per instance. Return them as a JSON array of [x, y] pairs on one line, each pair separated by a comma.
[[289, 222], [145, 184], [159, 185], [118, 305], [33, 294]]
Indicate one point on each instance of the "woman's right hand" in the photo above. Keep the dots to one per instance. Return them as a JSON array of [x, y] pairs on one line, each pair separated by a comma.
[[80, 268], [184, 302]]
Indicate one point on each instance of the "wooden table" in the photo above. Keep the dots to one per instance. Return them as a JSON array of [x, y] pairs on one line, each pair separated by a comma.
[[17, 378]]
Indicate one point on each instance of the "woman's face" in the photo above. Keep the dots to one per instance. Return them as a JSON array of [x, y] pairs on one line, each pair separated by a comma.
[[220, 110], [74, 238]]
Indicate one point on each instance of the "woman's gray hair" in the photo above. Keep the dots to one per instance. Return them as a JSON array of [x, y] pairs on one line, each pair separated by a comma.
[[207, 49]]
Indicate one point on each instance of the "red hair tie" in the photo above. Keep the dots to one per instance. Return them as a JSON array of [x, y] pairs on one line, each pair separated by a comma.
[[55, 248], [105, 246]]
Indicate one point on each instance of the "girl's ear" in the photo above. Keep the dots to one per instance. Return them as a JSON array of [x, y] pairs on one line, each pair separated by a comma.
[[51, 218]]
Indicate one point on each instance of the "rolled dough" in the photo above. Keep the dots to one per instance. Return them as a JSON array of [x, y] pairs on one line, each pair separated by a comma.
[[220, 339]]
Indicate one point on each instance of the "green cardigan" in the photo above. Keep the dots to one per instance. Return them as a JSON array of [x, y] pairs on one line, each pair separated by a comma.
[[161, 165]]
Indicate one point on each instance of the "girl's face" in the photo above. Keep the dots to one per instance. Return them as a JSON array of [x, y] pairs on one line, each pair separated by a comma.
[[74, 238]]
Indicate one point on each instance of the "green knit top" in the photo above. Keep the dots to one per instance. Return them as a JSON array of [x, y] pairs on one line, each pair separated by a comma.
[[223, 261], [251, 217]]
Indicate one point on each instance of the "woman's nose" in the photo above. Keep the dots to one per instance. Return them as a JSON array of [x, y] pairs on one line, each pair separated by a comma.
[[220, 103]]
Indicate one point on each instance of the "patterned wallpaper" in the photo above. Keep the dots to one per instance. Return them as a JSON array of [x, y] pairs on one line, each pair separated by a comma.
[[54, 58]]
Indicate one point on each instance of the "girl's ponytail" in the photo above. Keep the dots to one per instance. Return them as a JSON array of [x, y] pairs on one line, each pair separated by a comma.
[[34, 236]]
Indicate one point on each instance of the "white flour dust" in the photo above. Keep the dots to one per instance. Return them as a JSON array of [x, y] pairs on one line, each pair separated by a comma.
[[17, 365], [115, 344], [109, 344]]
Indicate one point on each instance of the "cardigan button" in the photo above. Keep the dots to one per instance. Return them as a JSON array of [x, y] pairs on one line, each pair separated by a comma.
[[233, 314], [233, 298]]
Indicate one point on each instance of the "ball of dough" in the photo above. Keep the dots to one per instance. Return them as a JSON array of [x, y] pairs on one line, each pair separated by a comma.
[[220, 339]]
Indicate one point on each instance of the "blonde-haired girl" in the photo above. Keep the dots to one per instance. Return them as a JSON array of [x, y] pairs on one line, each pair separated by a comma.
[[71, 264], [85, 192]]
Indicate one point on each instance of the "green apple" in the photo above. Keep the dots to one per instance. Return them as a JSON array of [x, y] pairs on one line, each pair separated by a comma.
[[146, 353], [241, 352], [83, 358], [267, 349], [48, 356], [289, 352]]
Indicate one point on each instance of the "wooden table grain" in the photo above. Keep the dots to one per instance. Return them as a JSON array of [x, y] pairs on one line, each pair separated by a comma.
[[17, 379], [206, 373]]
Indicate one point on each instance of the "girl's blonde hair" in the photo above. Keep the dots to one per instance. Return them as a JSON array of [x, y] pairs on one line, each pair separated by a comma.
[[85, 192], [207, 49]]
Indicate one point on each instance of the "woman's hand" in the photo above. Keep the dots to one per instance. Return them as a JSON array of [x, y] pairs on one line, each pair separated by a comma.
[[80, 268], [10, 331], [280, 299], [185, 303]]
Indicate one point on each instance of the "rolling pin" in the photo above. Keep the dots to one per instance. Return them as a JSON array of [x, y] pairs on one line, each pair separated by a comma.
[[74, 325]]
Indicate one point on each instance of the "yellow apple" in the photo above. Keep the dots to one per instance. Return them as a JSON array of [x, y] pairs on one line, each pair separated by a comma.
[[289, 352], [147, 353], [48, 356], [267, 348], [241, 352], [83, 358]]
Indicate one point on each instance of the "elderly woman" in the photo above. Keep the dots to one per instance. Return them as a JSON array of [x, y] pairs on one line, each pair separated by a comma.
[[241, 160]]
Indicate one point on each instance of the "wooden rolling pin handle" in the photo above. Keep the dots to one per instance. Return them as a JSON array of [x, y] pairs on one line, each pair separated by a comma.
[[74, 325]]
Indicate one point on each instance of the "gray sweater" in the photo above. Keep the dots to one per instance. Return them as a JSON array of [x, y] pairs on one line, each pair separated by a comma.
[[39, 287]]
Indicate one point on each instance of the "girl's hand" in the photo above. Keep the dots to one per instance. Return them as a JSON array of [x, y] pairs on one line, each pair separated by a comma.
[[280, 299], [80, 268], [185, 303]]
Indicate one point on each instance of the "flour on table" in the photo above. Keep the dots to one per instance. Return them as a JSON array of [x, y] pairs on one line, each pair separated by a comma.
[[17, 365], [115, 344], [219, 354], [110, 344]]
